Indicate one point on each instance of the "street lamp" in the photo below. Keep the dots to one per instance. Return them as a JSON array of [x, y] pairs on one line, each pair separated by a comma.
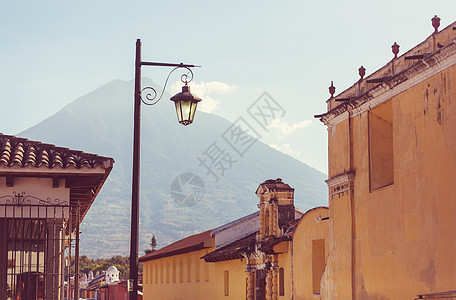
[[185, 103]]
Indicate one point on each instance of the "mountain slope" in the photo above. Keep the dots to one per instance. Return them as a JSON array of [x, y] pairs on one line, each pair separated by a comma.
[[101, 122]]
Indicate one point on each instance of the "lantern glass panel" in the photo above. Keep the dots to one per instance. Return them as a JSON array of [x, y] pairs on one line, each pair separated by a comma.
[[179, 111], [185, 111], [192, 111]]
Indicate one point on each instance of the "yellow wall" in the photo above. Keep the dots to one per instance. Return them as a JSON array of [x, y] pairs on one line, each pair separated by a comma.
[[206, 280], [338, 142], [284, 261], [404, 233], [311, 229], [164, 278]]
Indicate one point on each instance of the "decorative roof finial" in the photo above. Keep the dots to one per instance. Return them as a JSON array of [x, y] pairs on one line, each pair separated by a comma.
[[362, 72], [395, 48], [332, 89], [435, 23]]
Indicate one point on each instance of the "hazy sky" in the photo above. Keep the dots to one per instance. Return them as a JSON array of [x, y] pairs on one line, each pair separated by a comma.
[[53, 52]]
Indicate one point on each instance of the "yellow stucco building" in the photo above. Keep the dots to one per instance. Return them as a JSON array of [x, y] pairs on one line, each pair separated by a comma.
[[392, 175], [249, 258], [390, 229]]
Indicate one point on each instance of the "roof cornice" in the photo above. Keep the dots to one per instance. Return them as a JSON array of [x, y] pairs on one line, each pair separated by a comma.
[[400, 82]]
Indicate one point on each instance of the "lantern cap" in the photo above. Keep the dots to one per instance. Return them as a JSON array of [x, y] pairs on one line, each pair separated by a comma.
[[185, 95]]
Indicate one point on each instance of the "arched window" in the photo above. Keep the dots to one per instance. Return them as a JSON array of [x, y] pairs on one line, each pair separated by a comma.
[[281, 282]]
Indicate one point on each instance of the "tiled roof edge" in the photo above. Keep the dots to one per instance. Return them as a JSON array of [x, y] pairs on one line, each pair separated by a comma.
[[16, 151]]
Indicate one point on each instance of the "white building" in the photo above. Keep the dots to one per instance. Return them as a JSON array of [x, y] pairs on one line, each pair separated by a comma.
[[45, 192]]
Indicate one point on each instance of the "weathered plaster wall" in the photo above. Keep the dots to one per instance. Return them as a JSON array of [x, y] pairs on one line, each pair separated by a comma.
[[338, 143], [312, 226], [337, 280], [405, 233]]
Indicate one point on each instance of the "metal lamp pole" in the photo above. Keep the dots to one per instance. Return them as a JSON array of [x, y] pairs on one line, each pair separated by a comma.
[[136, 163]]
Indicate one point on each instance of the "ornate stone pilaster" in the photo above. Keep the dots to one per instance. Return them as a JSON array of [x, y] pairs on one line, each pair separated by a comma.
[[275, 286], [275, 220], [271, 220], [261, 206], [250, 270], [269, 285]]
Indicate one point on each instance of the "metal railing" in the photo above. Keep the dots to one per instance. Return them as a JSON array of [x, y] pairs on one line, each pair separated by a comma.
[[35, 250]]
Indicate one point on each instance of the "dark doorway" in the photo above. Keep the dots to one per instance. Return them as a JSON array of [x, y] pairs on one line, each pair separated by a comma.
[[260, 284]]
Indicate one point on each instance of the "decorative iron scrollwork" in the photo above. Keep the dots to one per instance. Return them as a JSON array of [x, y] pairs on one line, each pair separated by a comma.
[[150, 97], [50, 201], [184, 77], [16, 198], [23, 199]]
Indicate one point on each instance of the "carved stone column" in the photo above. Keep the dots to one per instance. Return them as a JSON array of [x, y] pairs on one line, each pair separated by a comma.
[[269, 285], [250, 270], [275, 287]]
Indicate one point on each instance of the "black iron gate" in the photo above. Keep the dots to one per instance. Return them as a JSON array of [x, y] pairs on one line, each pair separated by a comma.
[[35, 251]]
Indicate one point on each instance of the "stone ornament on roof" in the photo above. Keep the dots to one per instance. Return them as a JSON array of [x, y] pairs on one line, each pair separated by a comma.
[[272, 185], [434, 54]]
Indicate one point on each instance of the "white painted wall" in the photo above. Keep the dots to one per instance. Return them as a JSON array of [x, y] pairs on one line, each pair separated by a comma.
[[30, 192]]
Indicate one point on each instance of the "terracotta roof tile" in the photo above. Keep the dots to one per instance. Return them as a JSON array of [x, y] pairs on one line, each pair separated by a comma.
[[188, 244], [15, 151]]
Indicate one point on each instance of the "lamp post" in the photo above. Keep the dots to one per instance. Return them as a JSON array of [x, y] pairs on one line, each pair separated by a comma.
[[185, 103]]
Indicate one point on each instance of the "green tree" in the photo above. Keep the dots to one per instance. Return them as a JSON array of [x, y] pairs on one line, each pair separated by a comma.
[[102, 264], [153, 245]]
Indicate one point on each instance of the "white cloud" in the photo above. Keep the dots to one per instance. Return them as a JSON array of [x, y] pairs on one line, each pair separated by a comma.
[[208, 105], [215, 87], [286, 148], [285, 129], [206, 91]]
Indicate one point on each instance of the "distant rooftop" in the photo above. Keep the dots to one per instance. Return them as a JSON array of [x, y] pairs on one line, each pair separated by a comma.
[[188, 244], [235, 222]]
